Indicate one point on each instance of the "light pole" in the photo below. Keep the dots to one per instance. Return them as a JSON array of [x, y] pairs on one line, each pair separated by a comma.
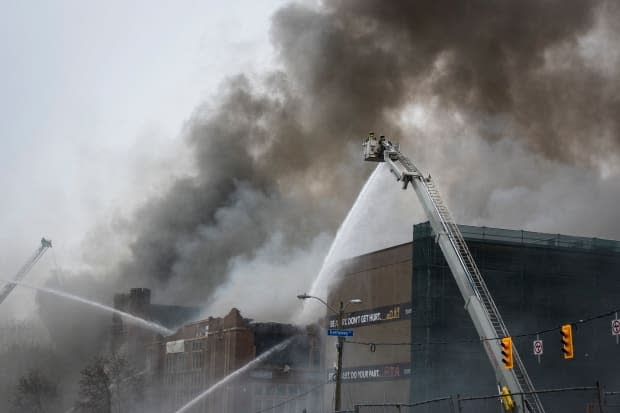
[[340, 346]]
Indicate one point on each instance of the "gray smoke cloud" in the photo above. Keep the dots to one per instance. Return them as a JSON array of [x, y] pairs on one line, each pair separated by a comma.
[[260, 171], [278, 155], [526, 61], [513, 106]]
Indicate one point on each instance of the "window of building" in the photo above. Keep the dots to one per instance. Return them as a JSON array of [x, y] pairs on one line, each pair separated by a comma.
[[197, 360], [181, 362], [175, 362]]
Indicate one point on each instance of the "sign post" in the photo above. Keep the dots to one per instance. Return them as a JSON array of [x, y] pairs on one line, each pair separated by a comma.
[[538, 348], [615, 327], [339, 333]]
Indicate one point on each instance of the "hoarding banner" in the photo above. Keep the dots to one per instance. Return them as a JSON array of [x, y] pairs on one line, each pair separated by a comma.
[[175, 346], [394, 312], [394, 371]]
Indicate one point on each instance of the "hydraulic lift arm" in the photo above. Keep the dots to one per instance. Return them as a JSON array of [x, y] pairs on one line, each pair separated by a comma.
[[478, 301], [45, 244]]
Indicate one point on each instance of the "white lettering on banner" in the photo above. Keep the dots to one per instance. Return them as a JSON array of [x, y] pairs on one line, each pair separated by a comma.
[[360, 374], [391, 313], [383, 372]]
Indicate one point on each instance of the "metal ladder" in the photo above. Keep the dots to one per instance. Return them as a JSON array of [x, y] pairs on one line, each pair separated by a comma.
[[45, 244], [453, 233]]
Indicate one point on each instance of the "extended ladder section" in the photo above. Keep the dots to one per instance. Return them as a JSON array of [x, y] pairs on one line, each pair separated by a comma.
[[25, 269], [466, 261], [478, 301]]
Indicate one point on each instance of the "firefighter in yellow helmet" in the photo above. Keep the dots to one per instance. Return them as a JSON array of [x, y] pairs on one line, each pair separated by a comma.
[[507, 400]]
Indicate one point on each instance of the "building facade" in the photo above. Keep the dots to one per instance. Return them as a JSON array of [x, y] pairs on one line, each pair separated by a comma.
[[130, 340], [376, 360], [538, 281], [182, 366], [413, 340]]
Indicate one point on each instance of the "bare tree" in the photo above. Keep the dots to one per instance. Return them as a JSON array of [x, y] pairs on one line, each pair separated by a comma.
[[95, 395], [34, 393], [109, 385], [126, 384]]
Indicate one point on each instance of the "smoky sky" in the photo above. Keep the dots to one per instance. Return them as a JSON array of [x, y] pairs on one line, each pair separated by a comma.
[[277, 155], [474, 57]]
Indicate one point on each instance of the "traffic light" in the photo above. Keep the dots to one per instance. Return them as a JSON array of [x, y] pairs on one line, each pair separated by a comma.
[[507, 359], [567, 341]]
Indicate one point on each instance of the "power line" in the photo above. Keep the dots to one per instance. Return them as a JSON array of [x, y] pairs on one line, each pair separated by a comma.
[[475, 340]]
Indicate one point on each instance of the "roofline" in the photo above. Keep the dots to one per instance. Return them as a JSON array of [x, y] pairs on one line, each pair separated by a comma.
[[378, 251], [477, 226]]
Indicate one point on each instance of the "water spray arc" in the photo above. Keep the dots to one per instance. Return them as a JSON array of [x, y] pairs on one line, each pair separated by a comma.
[[348, 224], [278, 347], [149, 325], [330, 259]]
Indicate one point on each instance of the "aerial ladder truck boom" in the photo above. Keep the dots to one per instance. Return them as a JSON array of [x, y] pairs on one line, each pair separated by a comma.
[[25, 269], [478, 301]]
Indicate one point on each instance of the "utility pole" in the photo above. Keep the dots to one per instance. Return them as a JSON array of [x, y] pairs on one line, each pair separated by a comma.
[[339, 348]]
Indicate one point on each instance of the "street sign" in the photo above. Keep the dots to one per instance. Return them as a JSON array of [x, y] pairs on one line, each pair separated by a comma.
[[339, 333], [538, 347], [615, 327]]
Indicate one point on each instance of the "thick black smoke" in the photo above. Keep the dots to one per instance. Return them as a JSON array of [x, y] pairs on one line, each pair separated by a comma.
[[525, 60], [257, 175], [280, 155], [272, 156]]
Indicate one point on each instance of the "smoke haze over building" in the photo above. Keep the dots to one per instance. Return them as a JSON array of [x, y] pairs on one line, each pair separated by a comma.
[[530, 81], [514, 108]]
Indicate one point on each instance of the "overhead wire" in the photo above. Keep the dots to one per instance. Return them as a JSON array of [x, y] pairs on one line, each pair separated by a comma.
[[474, 340]]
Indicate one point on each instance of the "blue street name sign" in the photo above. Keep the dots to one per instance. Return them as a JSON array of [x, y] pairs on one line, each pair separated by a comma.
[[339, 333]]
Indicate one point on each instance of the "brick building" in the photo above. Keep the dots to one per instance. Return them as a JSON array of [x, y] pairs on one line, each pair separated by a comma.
[[131, 340], [181, 366]]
